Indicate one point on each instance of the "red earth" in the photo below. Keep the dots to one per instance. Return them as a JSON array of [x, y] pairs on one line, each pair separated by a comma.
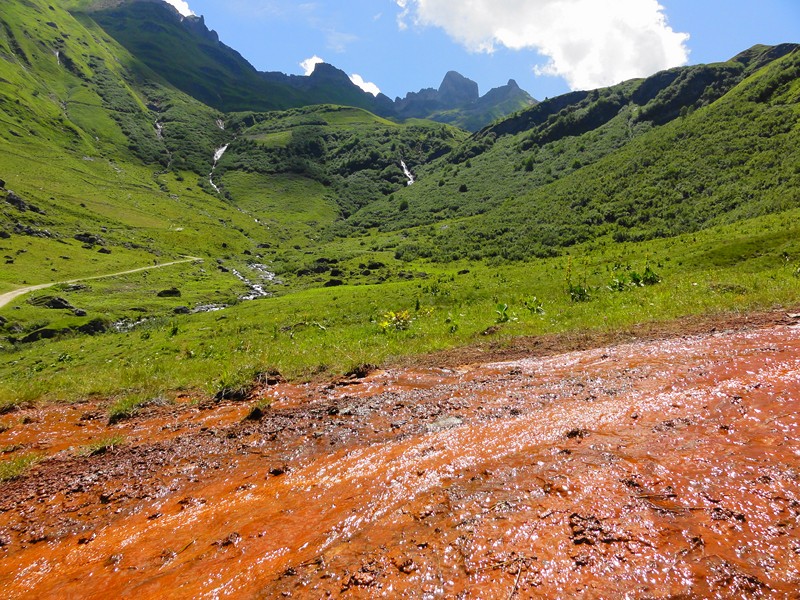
[[660, 463]]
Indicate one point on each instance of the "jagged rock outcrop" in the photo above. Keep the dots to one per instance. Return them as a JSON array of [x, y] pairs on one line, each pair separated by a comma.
[[458, 102]]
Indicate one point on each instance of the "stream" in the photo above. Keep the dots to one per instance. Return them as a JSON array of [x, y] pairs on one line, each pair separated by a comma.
[[652, 469]]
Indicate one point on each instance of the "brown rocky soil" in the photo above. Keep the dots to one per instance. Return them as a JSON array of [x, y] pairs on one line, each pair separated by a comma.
[[658, 463]]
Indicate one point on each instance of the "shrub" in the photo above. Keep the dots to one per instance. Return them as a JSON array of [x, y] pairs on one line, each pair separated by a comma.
[[396, 321], [502, 313], [534, 305]]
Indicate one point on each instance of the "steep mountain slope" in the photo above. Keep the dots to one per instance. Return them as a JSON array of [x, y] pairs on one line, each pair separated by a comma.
[[670, 154], [205, 68], [104, 166]]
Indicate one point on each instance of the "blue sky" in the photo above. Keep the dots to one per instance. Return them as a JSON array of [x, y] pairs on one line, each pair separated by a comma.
[[547, 46]]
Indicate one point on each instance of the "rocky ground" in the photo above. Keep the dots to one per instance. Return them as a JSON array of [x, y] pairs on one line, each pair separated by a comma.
[[660, 463]]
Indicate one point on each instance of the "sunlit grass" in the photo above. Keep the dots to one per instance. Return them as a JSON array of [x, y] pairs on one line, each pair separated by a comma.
[[326, 331], [13, 468]]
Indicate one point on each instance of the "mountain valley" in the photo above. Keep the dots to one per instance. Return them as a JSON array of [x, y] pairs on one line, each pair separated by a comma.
[[195, 239]]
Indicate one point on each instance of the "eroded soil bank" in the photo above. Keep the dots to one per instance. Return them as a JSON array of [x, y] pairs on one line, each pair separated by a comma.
[[653, 469]]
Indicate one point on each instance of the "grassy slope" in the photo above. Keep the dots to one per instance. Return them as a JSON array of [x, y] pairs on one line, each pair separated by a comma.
[[738, 267], [733, 159], [354, 154], [74, 137]]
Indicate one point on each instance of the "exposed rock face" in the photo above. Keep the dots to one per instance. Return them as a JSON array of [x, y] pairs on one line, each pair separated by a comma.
[[198, 26], [40, 334], [20, 204], [457, 90], [21, 229], [501, 94]]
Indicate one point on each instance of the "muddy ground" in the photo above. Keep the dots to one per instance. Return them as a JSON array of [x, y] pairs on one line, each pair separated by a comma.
[[657, 463]]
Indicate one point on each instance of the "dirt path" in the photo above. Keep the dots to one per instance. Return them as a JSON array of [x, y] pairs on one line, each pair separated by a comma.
[[9, 296], [650, 469]]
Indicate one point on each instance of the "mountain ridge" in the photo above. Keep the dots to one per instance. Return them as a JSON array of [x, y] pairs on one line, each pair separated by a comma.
[[216, 74]]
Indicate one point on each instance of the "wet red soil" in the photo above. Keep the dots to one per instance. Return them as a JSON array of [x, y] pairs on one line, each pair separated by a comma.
[[654, 469]]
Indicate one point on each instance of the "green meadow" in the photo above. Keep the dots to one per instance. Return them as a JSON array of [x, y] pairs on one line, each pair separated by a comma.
[[323, 332]]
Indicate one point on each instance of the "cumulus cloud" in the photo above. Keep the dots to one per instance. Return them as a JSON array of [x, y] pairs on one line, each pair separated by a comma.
[[590, 43], [367, 86], [181, 6], [309, 64]]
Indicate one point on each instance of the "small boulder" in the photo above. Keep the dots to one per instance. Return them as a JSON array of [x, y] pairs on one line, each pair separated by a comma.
[[172, 292], [104, 250], [94, 327], [40, 334], [79, 312], [17, 202], [53, 302], [181, 310], [89, 238]]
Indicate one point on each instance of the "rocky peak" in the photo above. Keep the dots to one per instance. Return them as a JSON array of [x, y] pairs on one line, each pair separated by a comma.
[[457, 90], [198, 26], [329, 73]]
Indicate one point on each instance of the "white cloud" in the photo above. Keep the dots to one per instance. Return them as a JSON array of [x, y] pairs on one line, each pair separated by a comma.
[[367, 86], [590, 43], [401, 18], [182, 7], [309, 64]]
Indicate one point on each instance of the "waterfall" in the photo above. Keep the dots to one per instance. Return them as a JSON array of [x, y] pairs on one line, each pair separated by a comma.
[[217, 155], [408, 173], [219, 152]]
